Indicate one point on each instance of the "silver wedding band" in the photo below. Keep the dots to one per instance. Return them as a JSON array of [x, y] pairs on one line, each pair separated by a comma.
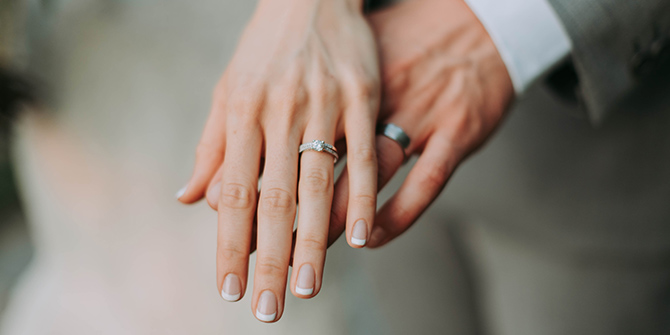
[[395, 133], [320, 146]]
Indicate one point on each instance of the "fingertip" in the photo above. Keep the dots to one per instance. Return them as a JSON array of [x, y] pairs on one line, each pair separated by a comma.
[[266, 309], [359, 234], [305, 282], [232, 288], [181, 192], [188, 194]]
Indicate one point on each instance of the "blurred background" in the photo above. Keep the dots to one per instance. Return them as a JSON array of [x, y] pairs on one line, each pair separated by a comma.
[[103, 103]]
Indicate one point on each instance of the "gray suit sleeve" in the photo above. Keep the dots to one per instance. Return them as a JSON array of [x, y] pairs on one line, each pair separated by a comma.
[[616, 43]]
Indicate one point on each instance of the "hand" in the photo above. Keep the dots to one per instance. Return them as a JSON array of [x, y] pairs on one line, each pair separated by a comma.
[[445, 84], [303, 70]]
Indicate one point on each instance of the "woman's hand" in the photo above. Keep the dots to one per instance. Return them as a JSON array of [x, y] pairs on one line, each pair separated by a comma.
[[303, 70], [446, 86]]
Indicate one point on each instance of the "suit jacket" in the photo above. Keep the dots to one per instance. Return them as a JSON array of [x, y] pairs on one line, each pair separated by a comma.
[[616, 45]]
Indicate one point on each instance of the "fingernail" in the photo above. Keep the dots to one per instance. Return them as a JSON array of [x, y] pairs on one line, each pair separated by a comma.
[[305, 284], [377, 236], [181, 191], [267, 307], [231, 290], [360, 233], [213, 193]]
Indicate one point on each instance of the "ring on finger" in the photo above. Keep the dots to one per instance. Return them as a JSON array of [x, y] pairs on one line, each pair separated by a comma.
[[320, 146], [395, 133]]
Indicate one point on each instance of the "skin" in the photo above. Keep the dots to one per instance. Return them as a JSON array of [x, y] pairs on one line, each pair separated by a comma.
[[303, 70], [445, 84], [448, 90]]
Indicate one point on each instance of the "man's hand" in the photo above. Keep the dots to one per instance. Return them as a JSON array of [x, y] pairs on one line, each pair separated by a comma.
[[445, 84]]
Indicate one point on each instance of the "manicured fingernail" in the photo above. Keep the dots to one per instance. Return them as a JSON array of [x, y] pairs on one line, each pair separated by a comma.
[[305, 284], [377, 236], [213, 193], [231, 290], [360, 233], [267, 307], [181, 191]]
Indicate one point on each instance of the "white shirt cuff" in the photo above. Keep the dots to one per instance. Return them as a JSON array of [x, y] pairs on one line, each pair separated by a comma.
[[528, 34]]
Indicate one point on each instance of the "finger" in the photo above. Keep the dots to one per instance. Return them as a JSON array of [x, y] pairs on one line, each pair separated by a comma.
[[334, 234], [237, 206], [423, 184], [315, 193], [209, 153], [390, 157], [214, 188], [276, 215], [362, 172]]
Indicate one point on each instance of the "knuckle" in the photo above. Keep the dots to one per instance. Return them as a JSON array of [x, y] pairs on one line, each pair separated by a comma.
[[325, 90], [435, 176], [236, 196], [245, 81], [247, 98], [231, 252], [402, 216], [470, 125], [313, 243], [360, 83], [470, 128], [243, 124], [242, 104], [277, 201], [288, 96], [364, 154], [316, 180], [478, 128], [365, 87], [271, 266], [365, 200], [282, 118], [207, 151]]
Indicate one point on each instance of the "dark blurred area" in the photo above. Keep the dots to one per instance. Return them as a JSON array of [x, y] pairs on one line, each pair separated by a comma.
[[16, 92]]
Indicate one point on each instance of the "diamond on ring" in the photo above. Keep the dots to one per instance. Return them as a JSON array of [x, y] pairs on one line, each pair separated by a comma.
[[320, 146]]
